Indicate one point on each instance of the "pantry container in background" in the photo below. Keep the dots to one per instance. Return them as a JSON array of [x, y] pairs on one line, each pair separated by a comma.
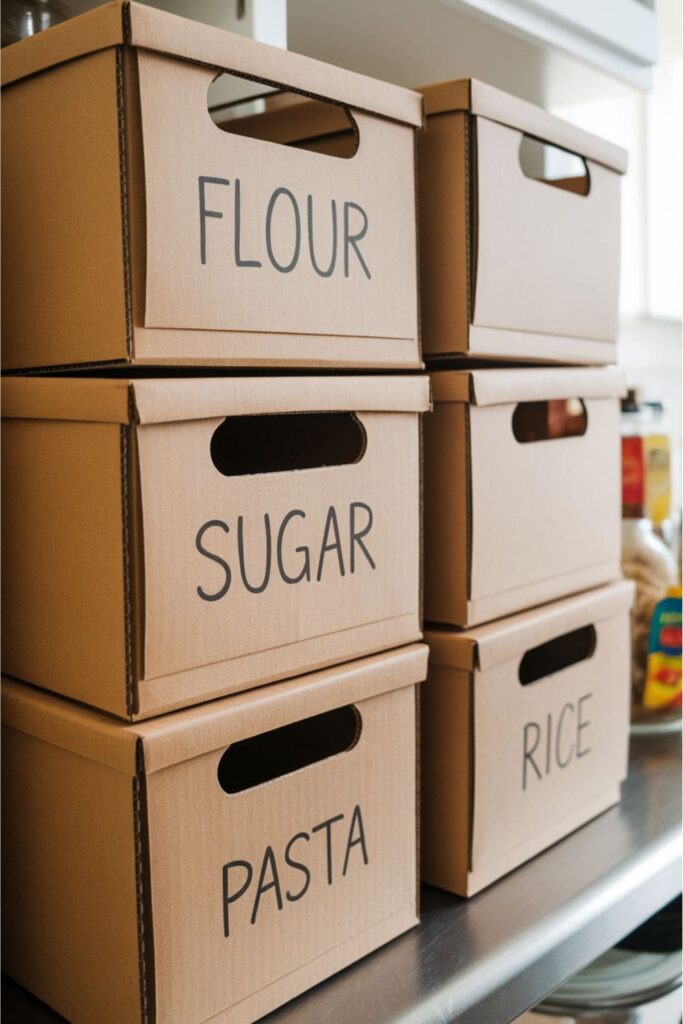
[[524, 734], [213, 863], [519, 230], [522, 489], [170, 541], [136, 231]]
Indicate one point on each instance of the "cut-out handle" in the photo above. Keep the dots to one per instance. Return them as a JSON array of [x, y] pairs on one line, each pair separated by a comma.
[[554, 166], [550, 420], [327, 127], [556, 654], [280, 443], [279, 752]]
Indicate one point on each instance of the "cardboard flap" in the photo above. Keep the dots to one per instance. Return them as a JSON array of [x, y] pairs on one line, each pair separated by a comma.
[[151, 29], [69, 726], [171, 739], [504, 386], [451, 648], [177, 737], [66, 398], [170, 400], [512, 637], [486, 101], [164, 401]]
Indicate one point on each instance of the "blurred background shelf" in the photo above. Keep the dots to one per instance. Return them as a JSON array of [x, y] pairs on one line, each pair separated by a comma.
[[492, 957]]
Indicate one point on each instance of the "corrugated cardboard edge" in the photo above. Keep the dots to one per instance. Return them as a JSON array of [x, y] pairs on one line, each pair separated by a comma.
[[138, 25], [173, 738], [174, 399], [488, 645], [125, 210], [143, 889], [529, 384], [482, 100]]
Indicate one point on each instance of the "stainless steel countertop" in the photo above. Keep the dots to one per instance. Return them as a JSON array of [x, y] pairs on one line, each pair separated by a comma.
[[486, 960]]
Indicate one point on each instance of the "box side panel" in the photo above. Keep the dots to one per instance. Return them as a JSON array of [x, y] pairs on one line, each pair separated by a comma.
[[548, 258], [62, 242], [252, 236], [545, 510], [546, 749], [244, 564], [69, 895], [446, 782], [63, 608], [444, 233], [445, 515], [329, 850]]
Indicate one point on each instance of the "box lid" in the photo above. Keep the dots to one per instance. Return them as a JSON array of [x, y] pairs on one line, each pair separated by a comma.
[[486, 101], [170, 739], [528, 384], [499, 641], [166, 400], [142, 26]]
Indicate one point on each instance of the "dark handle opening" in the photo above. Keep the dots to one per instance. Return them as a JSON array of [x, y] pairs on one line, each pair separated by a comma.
[[257, 109], [244, 445], [553, 165], [559, 653], [270, 755], [549, 421]]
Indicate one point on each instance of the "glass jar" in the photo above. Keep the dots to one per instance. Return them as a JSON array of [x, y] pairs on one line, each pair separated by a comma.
[[655, 625], [22, 18], [646, 462]]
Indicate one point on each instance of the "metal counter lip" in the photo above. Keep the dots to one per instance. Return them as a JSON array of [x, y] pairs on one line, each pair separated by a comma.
[[489, 958], [625, 865]]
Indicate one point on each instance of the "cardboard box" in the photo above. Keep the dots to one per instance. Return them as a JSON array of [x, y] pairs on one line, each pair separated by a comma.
[[512, 267], [213, 863], [522, 489], [524, 734], [136, 231], [170, 541]]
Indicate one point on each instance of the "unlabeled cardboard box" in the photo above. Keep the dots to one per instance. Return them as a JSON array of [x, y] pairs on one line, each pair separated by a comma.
[[522, 489], [515, 263], [215, 862], [524, 734], [167, 541], [136, 231]]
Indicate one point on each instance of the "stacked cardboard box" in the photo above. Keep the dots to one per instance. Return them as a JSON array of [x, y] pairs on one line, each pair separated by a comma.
[[527, 705], [211, 579]]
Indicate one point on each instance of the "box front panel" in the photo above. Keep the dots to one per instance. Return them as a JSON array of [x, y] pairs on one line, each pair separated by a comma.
[[545, 749], [547, 258], [249, 887], [248, 235], [545, 509], [240, 564]]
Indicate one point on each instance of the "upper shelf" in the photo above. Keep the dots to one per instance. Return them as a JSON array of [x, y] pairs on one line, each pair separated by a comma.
[[617, 36]]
